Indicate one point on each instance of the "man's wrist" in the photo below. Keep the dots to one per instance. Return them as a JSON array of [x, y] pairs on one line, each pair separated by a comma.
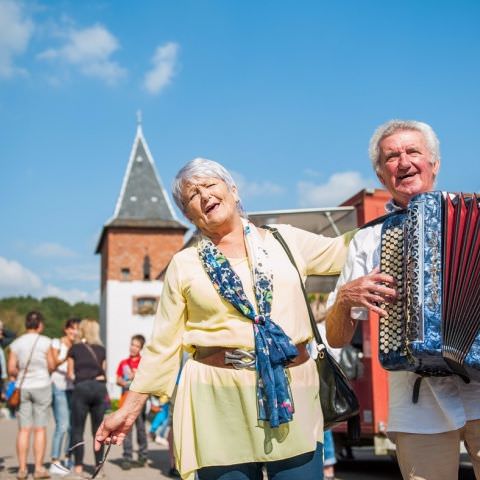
[[342, 300]]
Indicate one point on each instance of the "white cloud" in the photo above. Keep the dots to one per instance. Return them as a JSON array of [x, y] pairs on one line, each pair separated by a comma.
[[15, 279], [90, 50], [164, 68], [15, 33], [248, 188], [52, 250], [73, 295], [338, 188]]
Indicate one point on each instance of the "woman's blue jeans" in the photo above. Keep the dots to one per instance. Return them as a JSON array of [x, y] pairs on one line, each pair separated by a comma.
[[308, 466], [61, 401]]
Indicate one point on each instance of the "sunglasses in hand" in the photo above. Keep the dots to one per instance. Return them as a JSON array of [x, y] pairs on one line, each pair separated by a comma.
[[98, 467]]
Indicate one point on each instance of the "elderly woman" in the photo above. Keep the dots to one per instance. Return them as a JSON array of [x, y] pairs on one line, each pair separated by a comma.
[[248, 396]]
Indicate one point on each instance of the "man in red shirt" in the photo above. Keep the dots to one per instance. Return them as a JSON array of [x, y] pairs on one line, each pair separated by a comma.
[[125, 372]]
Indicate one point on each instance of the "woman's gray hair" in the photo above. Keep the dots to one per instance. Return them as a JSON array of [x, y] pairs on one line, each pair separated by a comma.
[[393, 126], [202, 168]]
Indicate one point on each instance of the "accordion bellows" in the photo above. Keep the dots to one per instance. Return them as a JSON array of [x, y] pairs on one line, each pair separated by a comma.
[[433, 251]]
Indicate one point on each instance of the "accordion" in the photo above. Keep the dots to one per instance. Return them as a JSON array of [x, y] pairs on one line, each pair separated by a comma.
[[432, 249]]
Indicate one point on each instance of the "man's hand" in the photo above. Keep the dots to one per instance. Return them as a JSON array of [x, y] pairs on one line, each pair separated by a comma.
[[115, 426], [364, 292], [368, 291]]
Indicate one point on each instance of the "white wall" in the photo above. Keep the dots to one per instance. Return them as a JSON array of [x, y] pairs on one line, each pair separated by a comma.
[[121, 324]]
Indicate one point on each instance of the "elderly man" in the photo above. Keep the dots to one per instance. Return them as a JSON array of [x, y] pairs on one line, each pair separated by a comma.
[[406, 159]]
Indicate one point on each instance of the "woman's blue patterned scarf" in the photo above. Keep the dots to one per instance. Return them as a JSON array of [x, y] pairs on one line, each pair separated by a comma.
[[273, 348]]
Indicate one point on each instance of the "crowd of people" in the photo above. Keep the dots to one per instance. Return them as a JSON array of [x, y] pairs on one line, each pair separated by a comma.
[[65, 377]]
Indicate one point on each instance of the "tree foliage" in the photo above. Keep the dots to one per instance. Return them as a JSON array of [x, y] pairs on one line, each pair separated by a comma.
[[55, 311]]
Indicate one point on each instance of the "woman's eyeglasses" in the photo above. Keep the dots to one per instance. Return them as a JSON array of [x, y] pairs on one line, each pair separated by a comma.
[[98, 467]]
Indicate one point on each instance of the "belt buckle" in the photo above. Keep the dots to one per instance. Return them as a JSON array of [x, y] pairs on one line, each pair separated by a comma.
[[239, 359]]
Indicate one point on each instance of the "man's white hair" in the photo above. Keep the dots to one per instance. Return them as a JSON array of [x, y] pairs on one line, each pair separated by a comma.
[[394, 126], [202, 168]]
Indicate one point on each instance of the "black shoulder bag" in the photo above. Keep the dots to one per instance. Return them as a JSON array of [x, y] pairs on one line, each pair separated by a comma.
[[337, 398]]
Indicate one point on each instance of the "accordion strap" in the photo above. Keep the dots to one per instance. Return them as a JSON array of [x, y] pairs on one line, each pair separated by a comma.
[[458, 369], [416, 389], [381, 219]]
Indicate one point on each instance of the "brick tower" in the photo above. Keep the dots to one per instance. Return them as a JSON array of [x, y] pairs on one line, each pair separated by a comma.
[[136, 244]]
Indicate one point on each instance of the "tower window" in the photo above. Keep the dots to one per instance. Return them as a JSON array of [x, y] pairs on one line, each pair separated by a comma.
[[145, 305], [146, 267], [125, 274]]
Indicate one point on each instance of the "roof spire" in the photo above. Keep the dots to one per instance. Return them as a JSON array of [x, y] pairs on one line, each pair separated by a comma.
[[139, 119]]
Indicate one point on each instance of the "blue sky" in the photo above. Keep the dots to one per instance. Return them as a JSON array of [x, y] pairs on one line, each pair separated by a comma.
[[285, 94]]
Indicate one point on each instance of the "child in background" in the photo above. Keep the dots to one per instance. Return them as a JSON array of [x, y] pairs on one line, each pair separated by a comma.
[[160, 424], [125, 372]]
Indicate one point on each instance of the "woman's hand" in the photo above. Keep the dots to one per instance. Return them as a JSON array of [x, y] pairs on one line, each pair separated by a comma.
[[70, 369], [51, 364], [115, 426]]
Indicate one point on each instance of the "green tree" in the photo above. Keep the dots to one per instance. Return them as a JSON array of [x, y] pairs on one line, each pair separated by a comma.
[[55, 310]]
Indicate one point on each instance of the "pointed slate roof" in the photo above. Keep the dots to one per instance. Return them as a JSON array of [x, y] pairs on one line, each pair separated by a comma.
[[143, 201], [142, 196]]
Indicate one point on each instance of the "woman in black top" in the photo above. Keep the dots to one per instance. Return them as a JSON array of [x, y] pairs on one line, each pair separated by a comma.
[[86, 367]]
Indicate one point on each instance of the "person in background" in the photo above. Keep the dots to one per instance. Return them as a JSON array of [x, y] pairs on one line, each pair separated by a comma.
[[86, 368], [160, 424], [30, 361], [3, 366], [6, 336], [125, 372], [62, 388], [319, 309], [234, 297], [329, 458]]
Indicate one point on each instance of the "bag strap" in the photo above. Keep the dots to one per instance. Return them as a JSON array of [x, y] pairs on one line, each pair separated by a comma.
[[353, 423], [92, 352], [316, 334], [28, 361]]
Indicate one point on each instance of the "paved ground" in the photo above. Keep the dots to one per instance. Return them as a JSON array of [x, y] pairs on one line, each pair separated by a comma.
[[366, 466], [157, 468]]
